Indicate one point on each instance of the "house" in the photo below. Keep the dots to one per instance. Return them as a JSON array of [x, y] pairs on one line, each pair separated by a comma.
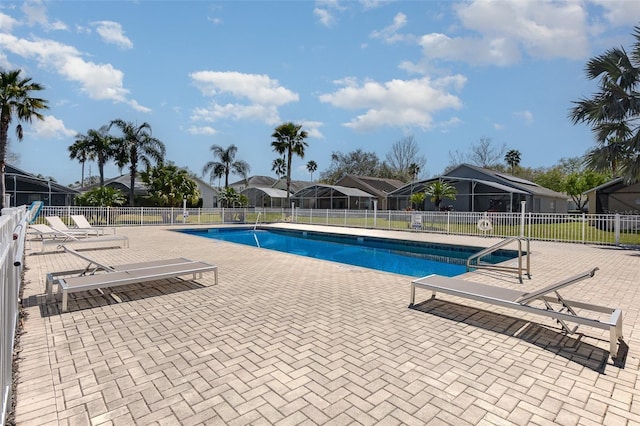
[[253, 182], [481, 190], [614, 197], [296, 185], [22, 188], [266, 197], [380, 187], [320, 196], [208, 194]]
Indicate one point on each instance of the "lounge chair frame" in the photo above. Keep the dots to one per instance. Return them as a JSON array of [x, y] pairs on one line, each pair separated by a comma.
[[117, 275], [521, 300], [82, 223], [58, 224]]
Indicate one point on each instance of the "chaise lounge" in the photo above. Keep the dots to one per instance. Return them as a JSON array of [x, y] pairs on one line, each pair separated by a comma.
[[100, 276], [521, 300]]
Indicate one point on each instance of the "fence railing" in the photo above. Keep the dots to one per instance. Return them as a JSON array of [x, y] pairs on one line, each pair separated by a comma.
[[12, 234], [604, 229]]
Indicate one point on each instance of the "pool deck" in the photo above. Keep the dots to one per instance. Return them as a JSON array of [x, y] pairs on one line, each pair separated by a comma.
[[283, 339]]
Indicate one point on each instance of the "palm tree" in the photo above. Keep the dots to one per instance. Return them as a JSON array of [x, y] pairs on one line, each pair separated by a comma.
[[226, 165], [289, 140], [16, 102], [80, 151], [279, 166], [414, 171], [136, 145], [100, 147], [614, 109], [170, 185], [439, 190], [312, 166], [512, 158], [607, 157]]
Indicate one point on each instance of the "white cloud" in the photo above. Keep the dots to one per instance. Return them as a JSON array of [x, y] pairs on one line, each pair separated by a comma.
[[7, 23], [36, 14], [254, 96], [50, 127], [397, 103], [111, 32], [526, 116], [502, 30], [620, 12], [203, 130], [98, 81], [324, 16], [390, 34], [312, 128], [497, 51]]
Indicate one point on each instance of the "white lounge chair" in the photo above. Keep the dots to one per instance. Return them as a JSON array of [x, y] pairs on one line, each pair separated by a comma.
[[51, 237], [521, 300], [117, 275], [82, 223], [56, 223], [43, 231]]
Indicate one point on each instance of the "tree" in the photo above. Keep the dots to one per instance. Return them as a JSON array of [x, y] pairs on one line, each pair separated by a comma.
[[279, 167], [80, 151], [289, 140], [483, 154], [170, 185], [512, 158], [439, 190], [356, 162], [16, 102], [99, 146], [417, 199], [312, 166], [404, 153], [613, 111], [136, 145], [229, 197], [414, 171], [225, 164], [577, 183], [104, 196]]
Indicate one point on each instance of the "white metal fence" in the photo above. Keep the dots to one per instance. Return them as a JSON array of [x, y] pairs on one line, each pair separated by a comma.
[[609, 229], [12, 234]]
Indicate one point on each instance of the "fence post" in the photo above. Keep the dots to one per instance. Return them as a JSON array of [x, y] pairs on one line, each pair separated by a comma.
[[141, 216], [448, 222], [584, 230], [617, 229]]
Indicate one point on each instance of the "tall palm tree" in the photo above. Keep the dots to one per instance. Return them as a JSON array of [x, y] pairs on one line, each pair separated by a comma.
[[512, 158], [226, 164], [80, 151], [16, 102], [312, 166], [613, 111], [135, 146], [289, 140], [100, 147], [439, 190]]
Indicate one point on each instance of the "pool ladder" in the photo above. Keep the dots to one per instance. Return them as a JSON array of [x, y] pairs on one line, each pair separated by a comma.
[[477, 257]]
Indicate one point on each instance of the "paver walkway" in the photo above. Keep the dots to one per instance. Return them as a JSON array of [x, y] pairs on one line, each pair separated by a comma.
[[288, 340]]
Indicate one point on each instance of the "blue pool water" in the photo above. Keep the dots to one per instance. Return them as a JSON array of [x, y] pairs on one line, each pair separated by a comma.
[[416, 259]]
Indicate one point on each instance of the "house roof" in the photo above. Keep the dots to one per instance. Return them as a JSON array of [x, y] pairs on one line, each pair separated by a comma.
[[271, 192], [19, 174], [319, 190], [612, 182], [256, 181], [512, 181], [375, 185]]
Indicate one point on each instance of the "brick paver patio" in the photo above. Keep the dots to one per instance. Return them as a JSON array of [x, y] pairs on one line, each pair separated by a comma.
[[288, 340]]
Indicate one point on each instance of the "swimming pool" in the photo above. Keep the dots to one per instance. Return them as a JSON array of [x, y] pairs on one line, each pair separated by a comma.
[[416, 259]]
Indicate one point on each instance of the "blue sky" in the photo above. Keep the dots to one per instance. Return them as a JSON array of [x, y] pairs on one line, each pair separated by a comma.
[[356, 74]]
